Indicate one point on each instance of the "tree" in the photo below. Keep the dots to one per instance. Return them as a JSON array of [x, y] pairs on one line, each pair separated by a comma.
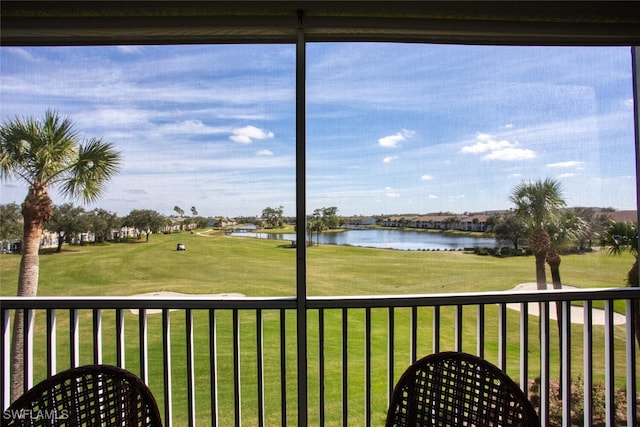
[[194, 211], [330, 217], [66, 221], [10, 223], [568, 227], [178, 211], [538, 204], [509, 227], [145, 221], [620, 237], [102, 223], [273, 217], [47, 153]]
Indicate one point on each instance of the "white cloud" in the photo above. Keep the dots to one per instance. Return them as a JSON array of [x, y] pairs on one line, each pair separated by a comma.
[[432, 196], [566, 175], [392, 195], [510, 154], [498, 150], [486, 143], [394, 140], [426, 177], [568, 164], [247, 134], [389, 159], [264, 153]]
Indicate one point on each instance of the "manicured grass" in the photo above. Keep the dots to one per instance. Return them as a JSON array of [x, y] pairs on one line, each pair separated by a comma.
[[216, 263]]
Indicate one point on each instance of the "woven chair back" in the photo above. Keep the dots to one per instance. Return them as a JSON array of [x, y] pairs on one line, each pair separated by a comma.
[[92, 395], [458, 389]]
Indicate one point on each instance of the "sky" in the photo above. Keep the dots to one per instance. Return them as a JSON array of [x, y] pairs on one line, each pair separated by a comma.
[[391, 128]]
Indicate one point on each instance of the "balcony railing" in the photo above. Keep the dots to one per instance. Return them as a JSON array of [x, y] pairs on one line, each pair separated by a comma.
[[236, 361]]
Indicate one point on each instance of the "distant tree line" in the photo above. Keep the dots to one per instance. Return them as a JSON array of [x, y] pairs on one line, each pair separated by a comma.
[[71, 223]]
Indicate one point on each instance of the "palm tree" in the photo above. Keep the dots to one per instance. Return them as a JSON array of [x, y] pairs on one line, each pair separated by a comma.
[[620, 237], [568, 227], [45, 154], [538, 204]]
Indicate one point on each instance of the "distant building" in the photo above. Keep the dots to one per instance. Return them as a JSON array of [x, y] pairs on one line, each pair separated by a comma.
[[474, 222], [361, 220]]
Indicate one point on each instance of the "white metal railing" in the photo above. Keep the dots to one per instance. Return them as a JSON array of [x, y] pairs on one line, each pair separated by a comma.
[[224, 361]]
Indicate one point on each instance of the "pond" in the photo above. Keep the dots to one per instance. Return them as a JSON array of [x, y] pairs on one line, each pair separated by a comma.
[[388, 239]]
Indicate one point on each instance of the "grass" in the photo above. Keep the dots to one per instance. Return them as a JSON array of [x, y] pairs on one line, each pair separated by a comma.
[[215, 263]]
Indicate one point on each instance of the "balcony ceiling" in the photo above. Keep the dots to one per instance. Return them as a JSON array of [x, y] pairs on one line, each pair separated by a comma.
[[470, 22]]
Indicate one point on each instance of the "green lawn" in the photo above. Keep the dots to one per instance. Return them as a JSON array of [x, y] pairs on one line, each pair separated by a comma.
[[215, 263]]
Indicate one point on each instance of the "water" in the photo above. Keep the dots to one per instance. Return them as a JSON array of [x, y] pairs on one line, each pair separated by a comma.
[[389, 239]]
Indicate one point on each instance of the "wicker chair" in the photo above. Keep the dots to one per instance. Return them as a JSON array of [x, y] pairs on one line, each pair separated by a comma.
[[93, 395], [458, 389]]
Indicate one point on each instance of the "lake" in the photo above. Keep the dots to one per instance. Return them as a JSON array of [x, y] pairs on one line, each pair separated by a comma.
[[388, 239]]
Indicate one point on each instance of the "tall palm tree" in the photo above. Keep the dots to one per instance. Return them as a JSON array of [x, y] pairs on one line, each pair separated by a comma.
[[538, 204], [44, 154]]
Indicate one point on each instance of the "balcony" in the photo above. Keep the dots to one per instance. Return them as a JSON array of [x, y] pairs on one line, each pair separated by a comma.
[[334, 361]]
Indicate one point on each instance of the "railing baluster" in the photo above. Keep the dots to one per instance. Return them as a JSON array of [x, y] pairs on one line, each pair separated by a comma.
[[166, 353], [609, 360], [213, 366], [260, 367], [52, 355], [283, 368], [413, 344], [321, 396], [236, 369], [97, 336], [480, 331], [191, 392], [458, 328], [588, 362], [502, 337], [74, 338], [436, 328], [544, 363], [29, 321], [345, 369], [566, 363], [120, 338], [367, 366], [524, 348], [632, 417], [390, 353], [143, 335]]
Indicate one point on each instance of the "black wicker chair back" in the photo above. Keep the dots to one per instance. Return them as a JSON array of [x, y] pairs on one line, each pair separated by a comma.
[[458, 389], [92, 395]]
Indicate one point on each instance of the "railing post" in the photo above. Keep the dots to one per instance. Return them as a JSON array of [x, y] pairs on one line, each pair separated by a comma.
[[301, 228], [588, 361]]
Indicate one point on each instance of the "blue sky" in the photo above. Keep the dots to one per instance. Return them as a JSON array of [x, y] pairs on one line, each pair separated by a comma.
[[391, 128]]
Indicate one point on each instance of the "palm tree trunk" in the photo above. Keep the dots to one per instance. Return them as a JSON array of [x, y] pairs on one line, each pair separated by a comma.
[[553, 259], [36, 211], [27, 287]]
